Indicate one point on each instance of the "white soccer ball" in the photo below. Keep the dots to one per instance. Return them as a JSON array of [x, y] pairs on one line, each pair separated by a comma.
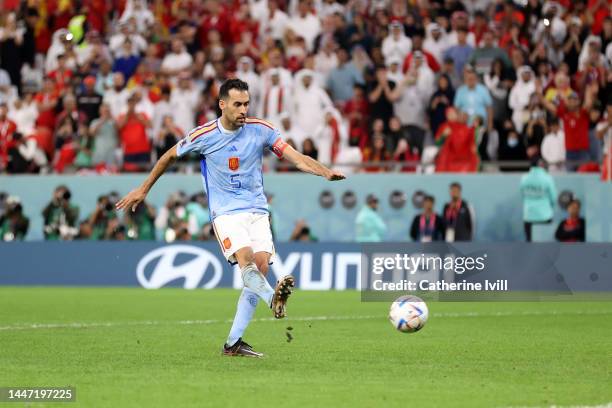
[[408, 314]]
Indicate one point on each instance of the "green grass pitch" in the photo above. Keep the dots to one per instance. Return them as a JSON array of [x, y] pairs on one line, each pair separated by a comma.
[[139, 348]]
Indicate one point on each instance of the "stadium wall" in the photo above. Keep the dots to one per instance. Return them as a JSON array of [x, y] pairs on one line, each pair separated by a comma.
[[495, 198]]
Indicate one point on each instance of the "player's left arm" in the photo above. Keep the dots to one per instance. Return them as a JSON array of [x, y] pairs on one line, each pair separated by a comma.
[[309, 165]]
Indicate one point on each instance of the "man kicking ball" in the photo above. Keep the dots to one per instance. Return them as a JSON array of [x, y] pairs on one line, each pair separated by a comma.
[[231, 151]]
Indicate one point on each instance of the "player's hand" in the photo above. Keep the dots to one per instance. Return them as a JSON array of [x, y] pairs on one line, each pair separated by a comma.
[[131, 200], [335, 176]]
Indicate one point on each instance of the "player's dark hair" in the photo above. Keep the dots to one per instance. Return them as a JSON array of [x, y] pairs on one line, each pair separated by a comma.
[[233, 83], [456, 184]]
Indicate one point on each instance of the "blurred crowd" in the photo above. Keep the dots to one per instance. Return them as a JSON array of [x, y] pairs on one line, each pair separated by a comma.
[[182, 218], [412, 85]]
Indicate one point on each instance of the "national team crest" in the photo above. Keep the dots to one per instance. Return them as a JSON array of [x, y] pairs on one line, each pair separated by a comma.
[[233, 163]]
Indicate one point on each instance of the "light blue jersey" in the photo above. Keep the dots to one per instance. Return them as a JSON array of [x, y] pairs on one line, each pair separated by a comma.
[[231, 164]]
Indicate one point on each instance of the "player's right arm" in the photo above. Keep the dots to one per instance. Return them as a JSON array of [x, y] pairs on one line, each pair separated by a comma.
[[136, 196]]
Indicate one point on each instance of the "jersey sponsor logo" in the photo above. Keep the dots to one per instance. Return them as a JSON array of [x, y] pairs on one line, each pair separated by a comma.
[[233, 163], [227, 243], [160, 267]]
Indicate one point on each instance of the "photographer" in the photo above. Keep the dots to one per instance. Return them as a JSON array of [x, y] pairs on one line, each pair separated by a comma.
[[60, 216], [172, 216], [13, 224], [100, 218], [140, 224]]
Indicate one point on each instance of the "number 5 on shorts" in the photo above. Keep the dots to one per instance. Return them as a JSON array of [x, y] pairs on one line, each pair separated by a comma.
[[234, 181]]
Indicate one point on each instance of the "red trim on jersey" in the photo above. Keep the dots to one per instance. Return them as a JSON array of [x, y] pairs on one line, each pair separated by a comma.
[[203, 133]]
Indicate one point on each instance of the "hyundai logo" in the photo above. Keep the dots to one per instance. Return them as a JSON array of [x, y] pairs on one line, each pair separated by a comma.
[[161, 268]]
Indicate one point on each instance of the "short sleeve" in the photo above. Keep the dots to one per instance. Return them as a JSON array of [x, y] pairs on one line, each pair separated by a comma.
[[193, 142], [275, 142]]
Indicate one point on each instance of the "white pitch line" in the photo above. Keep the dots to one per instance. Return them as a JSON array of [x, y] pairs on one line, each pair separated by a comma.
[[87, 325], [608, 405]]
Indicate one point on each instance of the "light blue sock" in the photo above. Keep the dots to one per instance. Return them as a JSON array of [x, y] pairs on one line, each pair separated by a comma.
[[254, 280], [247, 303]]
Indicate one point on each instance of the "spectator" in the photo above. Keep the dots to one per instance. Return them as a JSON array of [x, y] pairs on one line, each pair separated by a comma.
[[428, 226], [11, 40], [105, 139], [273, 21], [440, 101], [474, 98], [89, 100], [357, 112], [60, 216], [309, 103], [498, 83], [177, 60], [553, 147], [458, 221], [483, 57], [277, 98], [143, 17], [436, 42], [127, 60], [168, 135], [288, 130], [575, 120], [512, 149], [309, 148], [539, 194], [301, 233], [7, 91], [573, 228], [62, 75], [326, 59], [417, 45], [184, 100], [140, 224], [46, 101], [343, 78], [247, 73], [116, 97], [604, 134], [536, 127], [24, 113], [135, 143], [379, 90], [520, 95], [13, 224], [458, 147], [369, 225], [409, 102], [397, 44], [7, 132], [459, 53], [404, 153], [305, 24], [375, 153]]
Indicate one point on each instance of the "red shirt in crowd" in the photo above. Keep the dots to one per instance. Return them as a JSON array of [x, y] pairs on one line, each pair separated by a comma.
[[576, 127], [7, 129], [431, 61], [133, 135], [458, 150]]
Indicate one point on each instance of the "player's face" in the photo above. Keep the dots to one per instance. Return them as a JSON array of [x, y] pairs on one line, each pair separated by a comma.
[[235, 107]]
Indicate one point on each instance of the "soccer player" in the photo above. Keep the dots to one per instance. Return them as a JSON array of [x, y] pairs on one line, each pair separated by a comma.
[[231, 150]]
